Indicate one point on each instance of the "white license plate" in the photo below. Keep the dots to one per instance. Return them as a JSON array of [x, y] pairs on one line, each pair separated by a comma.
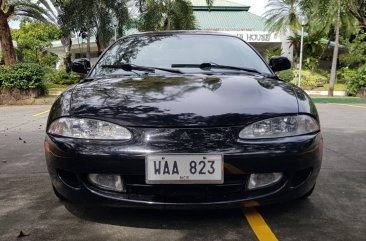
[[184, 169]]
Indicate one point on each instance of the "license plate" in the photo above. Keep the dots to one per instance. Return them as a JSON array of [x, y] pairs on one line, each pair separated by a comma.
[[184, 169]]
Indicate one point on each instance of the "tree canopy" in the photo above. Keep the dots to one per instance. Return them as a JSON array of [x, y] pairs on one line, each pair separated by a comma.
[[95, 17], [10, 8], [167, 15], [282, 14], [33, 37]]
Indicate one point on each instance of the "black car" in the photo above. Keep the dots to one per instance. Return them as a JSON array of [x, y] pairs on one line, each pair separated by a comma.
[[183, 120]]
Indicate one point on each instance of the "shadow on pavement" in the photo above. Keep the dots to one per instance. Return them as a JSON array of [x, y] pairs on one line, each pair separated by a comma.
[[156, 219]]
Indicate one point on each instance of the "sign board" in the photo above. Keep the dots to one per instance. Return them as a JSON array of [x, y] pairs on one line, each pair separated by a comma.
[[256, 36]]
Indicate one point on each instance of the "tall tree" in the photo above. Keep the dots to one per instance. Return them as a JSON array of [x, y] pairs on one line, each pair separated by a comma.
[[96, 17], [282, 14], [332, 16], [33, 38], [335, 50], [356, 50], [8, 9], [42, 10], [358, 10], [167, 15]]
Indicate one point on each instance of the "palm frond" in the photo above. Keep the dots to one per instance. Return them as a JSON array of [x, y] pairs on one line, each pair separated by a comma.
[[282, 14], [49, 9]]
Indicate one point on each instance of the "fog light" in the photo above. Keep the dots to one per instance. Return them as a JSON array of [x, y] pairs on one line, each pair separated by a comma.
[[259, 180], [107, 181]]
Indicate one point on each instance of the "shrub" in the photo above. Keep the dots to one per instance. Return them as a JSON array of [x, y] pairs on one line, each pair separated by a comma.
[[310, 80], [48, 60], [273, 52], [62, 77], [22, 76], [356, 79], [286, 75]]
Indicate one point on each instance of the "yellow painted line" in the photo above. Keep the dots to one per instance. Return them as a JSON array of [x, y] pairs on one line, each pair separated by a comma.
[[41, 113], [357, 106], [258, 225]]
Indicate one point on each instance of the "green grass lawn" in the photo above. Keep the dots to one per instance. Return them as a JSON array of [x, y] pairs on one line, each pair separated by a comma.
[[341, 100]]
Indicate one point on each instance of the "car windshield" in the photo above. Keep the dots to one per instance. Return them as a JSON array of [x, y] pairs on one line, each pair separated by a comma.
[[163, 51]]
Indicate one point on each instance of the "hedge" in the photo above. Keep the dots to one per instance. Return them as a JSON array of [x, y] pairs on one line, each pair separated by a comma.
[[62, 77], [355, 79], [22, 76]]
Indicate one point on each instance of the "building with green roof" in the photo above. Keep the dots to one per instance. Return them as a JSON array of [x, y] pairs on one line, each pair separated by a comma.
[[234, 18]]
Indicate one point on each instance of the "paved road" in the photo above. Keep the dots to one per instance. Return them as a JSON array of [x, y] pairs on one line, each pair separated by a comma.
[[336, 210]]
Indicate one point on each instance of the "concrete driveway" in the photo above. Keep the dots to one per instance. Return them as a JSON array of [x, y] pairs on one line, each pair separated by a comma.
[[335, 211]]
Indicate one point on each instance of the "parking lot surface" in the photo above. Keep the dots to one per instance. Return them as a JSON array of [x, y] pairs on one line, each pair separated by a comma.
[[335, 211]]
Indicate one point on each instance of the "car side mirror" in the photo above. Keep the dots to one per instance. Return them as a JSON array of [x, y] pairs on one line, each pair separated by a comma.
[[80, 65], [279, 63]]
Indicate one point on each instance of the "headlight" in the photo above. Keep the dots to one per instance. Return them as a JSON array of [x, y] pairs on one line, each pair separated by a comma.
[[88, 129], [280, 127]]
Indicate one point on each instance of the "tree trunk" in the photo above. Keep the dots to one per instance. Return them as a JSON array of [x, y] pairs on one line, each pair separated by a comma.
[[88, 46], [99, 47], [168, 24], [66, 42], [335, 53], [7, 47]]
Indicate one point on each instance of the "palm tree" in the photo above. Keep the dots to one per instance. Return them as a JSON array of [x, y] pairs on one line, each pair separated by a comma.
[[331, 16], [8, 9], [282, 14], [42, 10], [51, 11], [167, 15], [96, 17]]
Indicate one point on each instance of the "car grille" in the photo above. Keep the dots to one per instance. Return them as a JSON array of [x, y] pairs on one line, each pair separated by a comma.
[[193, 139], [232, 188]]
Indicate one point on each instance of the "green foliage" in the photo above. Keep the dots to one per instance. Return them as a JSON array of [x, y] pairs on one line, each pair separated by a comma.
[[273, 52], [35, 35], [48, 60], [167, 15], [22, 76], [323, 16], [62, 77], [282, 14], [356, 55], [310, 62], [39, 10], [309, 79], [337, 87], [355, 78], [314, 48], [94, 17], [358, 10], [33, 38], [287, 75]]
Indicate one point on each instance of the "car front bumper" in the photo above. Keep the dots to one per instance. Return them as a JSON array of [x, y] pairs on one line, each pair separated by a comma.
[[69, 162]]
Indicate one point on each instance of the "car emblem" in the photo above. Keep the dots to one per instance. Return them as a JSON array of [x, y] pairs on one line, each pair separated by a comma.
[[185, 136]]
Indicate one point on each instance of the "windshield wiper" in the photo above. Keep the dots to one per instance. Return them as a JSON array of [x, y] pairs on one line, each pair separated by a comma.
[[209, 66], [131, 67], [128, 67]]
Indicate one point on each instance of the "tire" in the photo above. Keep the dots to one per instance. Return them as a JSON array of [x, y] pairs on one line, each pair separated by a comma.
[[58, 195], [308, 194]]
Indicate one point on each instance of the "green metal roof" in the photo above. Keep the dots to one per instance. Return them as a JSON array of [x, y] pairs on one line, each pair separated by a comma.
[[218, 5], [229, 21]]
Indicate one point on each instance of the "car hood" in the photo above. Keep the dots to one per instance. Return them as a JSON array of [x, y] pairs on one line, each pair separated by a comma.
[[183, 100]]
